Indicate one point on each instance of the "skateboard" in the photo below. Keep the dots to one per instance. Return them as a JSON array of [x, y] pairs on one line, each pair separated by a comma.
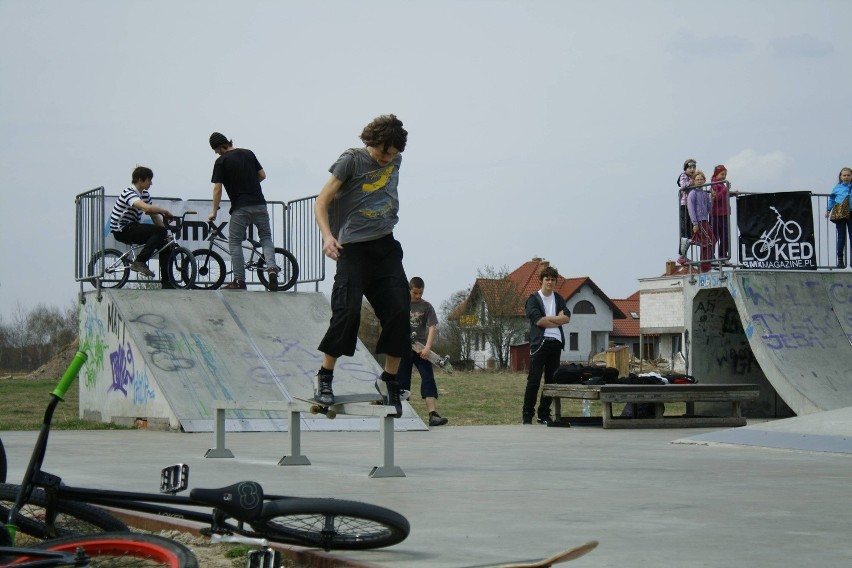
[[564, 556], [434, 358], [339, 400], [330, 410]]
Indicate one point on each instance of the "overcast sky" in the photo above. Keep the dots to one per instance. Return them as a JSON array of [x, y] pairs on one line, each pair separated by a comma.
[[536, 128]]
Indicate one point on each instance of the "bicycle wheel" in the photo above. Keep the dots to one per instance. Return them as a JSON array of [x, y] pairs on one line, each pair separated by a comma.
[[331, 524], [182, 268], [72, 518], [792, 231], [211, 270], [760, 250], [285, 260], [121, 550], [116, 268]]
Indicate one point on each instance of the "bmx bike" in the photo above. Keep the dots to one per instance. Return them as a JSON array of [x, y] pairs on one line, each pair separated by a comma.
[[44, 507]]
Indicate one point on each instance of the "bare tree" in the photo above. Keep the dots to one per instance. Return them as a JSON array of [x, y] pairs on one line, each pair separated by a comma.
[[503, 324], [455, 339], [34, 337]]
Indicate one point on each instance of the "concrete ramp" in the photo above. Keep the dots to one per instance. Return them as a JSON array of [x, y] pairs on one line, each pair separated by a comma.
[[829, 431], [164, 356], [799, 328]]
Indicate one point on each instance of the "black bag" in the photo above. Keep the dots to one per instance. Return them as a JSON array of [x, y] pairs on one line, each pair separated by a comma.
[[574, 374]]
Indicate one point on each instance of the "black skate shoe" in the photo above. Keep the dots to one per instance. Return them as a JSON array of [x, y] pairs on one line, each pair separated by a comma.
[[391, 394], [323, 393]]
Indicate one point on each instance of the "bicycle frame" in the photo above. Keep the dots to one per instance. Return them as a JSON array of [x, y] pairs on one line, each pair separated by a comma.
[[241, 508], [56, 491], [254, 249]]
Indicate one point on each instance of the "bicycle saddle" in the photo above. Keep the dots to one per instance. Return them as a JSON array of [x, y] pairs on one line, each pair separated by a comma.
[[243, 500]]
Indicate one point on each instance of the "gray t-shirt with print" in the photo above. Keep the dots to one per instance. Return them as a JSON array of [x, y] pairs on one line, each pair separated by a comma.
[[422, 317], [366, 206]]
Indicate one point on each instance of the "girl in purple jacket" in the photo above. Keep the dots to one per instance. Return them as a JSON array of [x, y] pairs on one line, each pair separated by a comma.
[[698, 204]]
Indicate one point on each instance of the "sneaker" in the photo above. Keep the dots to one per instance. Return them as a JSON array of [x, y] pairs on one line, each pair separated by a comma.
[[166, 285], [526, 419], [436, 419], [545, 419], [323, 393], [681, 260], [142, 269], [390, 392], [272, 278], [235, 285]]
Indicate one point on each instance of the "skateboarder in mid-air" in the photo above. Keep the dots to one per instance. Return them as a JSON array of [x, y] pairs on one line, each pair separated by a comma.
[[356, 211], [424, 328]]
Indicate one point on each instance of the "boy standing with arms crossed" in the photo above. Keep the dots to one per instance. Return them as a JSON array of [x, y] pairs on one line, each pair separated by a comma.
[[547, 313], [356, 211], [424, 328]]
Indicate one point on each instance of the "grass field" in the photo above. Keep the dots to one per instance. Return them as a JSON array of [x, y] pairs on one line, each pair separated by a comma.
[[466, 399], [480, 398]]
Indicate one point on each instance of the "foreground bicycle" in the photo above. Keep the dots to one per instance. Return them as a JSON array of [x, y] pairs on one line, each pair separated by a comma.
[[114, 550], [44, 507], [116, 265], [211, 266]]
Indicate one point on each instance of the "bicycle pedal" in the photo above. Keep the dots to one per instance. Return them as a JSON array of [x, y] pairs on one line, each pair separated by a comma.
[[264, 558]]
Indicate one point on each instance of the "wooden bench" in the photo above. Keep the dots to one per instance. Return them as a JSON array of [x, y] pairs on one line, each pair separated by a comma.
[[295, 408], [658, 395]]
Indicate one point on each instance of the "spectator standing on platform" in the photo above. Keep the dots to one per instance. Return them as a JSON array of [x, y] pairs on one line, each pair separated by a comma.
[[126, 226], [356, 212], [239, 171], [547, 313], [684, 180], [698, 205], [840, 192], [720, 211], [424, 328]]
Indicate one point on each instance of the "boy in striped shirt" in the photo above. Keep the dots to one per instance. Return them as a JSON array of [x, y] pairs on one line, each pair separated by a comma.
[[126, 227]]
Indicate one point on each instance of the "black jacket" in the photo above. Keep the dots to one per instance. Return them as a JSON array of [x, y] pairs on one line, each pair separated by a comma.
[[535, 311]]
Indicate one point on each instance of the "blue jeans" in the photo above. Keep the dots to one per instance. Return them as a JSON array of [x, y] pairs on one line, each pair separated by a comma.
[[241, 218], [843, 228], [428, 387]]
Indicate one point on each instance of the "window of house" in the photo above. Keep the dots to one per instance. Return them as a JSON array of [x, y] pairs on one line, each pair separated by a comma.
[[584, 307], [573, 341], [677, 344]]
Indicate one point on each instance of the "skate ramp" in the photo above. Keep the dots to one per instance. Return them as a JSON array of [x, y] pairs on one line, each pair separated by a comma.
[[164, 356], [799, 327], [829, 431]]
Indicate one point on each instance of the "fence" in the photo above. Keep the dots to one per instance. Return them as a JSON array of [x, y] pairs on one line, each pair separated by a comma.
[[292, 225], [743, 256]]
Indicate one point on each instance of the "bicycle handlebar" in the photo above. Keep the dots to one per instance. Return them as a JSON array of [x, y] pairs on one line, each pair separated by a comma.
[[70, 374]]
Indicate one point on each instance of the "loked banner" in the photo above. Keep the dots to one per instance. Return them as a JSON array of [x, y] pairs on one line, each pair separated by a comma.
[[776, 231]]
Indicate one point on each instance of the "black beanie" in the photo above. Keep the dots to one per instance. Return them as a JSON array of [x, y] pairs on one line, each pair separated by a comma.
[[218, 139]]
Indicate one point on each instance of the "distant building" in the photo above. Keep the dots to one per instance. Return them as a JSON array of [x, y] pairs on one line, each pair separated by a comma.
[[588, 333], [626, 331], [663, 325]]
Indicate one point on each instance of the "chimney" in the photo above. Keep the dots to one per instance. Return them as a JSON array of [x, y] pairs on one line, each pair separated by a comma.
[[670, 267]]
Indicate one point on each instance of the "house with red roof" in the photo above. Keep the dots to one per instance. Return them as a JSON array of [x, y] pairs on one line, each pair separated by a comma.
[[626, 331], [589, 331]]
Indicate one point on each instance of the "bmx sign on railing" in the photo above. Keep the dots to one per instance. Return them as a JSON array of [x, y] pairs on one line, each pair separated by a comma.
[[776, 231]]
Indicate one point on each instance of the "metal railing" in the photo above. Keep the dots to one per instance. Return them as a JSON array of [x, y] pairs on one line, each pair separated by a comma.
[[306, 241], [88, 235], [292, 224], [825, 237]]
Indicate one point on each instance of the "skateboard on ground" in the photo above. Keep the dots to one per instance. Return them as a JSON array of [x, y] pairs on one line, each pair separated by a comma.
[[331, 410], [434, 358], [564, 556]]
